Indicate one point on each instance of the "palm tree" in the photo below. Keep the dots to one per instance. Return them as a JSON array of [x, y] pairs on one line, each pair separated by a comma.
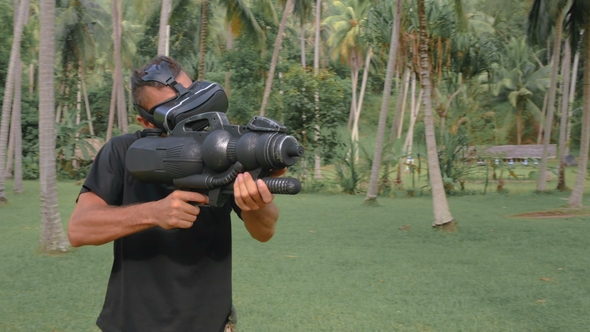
[[572, 95], [565, 68], [118, 95], [80, 32], [519, 80], [316, 68], [537, 33], [579, 18], [52, 235], [275, 56], [8, 90], [349, 42], [17, 133], [16, 127], [203, 40], [163, 31], [302, 10], [373, 187], [442, 213], [347, 29], [239, 18]]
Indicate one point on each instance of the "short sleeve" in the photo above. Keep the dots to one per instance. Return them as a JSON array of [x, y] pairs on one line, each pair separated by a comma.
[[107, 173]]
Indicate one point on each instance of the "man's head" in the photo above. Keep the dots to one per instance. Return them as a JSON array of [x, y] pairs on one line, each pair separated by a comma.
[[149, 93]]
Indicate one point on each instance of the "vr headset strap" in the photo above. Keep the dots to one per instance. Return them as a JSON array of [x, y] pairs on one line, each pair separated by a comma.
[[148, 116]]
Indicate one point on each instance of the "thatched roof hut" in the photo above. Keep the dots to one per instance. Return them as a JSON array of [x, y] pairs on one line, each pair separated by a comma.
[[517, 151]]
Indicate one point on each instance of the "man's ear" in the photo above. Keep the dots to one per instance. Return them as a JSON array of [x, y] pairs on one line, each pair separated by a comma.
[[145, 123]]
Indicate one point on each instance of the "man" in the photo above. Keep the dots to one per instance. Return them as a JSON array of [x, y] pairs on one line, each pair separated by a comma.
[[172, 259]]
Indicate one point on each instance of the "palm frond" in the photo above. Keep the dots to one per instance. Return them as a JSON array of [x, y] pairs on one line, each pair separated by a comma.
[[542, 18], [576, 19]]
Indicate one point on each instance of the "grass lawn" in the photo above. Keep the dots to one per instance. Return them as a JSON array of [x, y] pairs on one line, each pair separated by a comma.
[[337, 265]]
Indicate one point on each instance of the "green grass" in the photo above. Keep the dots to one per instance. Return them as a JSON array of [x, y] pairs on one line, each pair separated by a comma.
[[338, 265]]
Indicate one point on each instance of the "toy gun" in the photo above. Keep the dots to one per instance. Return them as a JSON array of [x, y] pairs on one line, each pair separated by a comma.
[[205, 153]]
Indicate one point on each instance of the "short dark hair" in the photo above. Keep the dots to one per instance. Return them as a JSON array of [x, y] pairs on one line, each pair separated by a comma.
[[137, 82]]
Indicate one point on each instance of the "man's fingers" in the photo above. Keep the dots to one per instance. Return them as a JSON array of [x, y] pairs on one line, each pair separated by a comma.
[[183, 224], [190, 196], [246, 188], [242, 196], [251, 194], [265, 193], [252, 188]]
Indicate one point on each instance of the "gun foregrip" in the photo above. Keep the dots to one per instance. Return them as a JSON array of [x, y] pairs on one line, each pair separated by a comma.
[[285, 186]]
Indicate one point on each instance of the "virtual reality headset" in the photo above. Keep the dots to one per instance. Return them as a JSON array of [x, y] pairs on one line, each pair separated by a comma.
[[200, 97]]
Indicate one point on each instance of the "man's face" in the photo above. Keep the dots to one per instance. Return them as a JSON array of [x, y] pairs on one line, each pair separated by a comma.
[[154, 96]]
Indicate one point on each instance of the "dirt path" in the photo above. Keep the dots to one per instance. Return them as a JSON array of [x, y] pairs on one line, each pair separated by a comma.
[[555, 213]]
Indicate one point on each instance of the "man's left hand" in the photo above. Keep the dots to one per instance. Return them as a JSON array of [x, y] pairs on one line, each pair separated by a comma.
[[252, 195]]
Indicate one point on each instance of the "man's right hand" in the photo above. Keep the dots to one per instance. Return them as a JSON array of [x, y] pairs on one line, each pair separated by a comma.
[[93, 222], [177, 209]]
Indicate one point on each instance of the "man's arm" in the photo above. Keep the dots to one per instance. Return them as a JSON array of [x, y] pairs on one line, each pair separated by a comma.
[[259, 213], [94, 222]]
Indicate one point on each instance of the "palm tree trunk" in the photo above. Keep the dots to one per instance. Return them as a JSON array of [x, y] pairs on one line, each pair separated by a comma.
[[62, 92], [414, 110], [445, 112], [374, 179], [409, 142], [575, 200], [399, 91], [16, 124], [565, 69], [10, 152], [413, 95], [111, 121], [203, 40], [52, 234], [162, 30], [86, 102], [543, 112], [442, 213], [571, 97], [518, 124], [354, 82], [31, 79], [17, 132], [78, 111], [121, 106], [542, 182], [302, 40], [9, 89], [359, 105], [357, 113], [318, 22], [316, 69], [401, 107], [275, 57], [228, 47]]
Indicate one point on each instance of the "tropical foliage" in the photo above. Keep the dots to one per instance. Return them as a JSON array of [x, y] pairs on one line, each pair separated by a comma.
[[434, 71]]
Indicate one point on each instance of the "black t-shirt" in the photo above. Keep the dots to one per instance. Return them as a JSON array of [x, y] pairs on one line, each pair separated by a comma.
[[162, 280]]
